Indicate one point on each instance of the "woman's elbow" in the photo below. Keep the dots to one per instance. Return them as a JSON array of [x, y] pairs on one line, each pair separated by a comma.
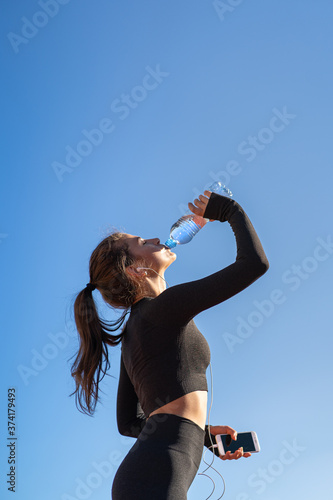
[[121, 430], [128, 429], [257, 266], [262, 266]]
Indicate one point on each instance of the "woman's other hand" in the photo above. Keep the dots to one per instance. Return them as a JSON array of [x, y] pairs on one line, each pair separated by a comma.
[[199, 205], [225, 429]]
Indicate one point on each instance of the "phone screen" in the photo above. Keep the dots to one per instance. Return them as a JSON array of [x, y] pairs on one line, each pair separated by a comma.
[[243, 439]]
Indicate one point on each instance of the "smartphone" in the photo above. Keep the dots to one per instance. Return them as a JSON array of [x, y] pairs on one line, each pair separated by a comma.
[[223, 443]]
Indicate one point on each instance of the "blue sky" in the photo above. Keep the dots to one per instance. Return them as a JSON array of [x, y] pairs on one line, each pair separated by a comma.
[[118, 114]]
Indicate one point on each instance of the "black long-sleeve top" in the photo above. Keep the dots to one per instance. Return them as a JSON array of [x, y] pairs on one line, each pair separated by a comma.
[[163, 354]]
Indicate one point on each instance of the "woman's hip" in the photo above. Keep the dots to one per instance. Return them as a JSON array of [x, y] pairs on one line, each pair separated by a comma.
[[163, 462]]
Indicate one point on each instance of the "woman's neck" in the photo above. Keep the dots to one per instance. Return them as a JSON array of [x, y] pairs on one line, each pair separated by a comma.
[[153, 288]]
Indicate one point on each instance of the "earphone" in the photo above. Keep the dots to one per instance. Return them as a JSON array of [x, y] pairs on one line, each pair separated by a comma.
[[139, 269]]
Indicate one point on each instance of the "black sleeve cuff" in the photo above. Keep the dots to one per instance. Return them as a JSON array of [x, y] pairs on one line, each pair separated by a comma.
[[220, 207]]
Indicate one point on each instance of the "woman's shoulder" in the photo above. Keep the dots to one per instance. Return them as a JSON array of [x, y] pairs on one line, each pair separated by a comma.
[[166, 308]]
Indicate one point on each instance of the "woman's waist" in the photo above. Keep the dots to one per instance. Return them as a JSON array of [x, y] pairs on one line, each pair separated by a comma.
[[192, 406]]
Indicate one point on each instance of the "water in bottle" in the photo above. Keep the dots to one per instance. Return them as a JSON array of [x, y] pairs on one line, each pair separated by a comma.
[[189, 225]]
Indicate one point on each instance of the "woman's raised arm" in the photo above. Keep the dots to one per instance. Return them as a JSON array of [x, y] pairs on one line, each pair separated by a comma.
[[181, 303]]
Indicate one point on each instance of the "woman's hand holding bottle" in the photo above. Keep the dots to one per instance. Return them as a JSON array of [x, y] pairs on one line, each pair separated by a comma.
[[183, 230], [200, 204]]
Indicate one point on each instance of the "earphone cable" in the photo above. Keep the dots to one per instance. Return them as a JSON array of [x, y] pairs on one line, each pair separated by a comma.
[[212, 445]]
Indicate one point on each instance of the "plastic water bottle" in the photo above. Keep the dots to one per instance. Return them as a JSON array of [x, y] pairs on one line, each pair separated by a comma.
[[189, 225]]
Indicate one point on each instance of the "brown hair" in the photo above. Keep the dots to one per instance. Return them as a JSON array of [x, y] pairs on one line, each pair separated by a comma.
[[107, 272]]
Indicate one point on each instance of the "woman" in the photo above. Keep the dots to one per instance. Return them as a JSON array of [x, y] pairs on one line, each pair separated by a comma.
[[162, 392]]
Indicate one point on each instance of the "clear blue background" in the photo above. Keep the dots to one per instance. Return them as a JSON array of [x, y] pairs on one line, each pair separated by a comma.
[[225, 76]]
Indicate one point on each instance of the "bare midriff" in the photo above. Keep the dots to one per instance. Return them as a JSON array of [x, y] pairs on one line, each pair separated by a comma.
[[192, 406]]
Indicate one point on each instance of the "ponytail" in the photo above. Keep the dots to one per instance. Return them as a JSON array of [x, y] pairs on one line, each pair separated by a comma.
[[107, 272]]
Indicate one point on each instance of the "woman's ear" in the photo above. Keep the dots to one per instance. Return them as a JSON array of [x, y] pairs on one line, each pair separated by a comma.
[[135, 272]]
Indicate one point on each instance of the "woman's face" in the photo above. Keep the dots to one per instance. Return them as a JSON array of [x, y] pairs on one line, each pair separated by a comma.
[[151, 252]]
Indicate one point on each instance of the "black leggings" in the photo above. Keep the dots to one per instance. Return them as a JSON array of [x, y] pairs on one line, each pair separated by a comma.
[[163, 462]]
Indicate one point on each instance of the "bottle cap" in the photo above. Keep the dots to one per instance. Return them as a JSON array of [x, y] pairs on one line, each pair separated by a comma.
[[219, 188]]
